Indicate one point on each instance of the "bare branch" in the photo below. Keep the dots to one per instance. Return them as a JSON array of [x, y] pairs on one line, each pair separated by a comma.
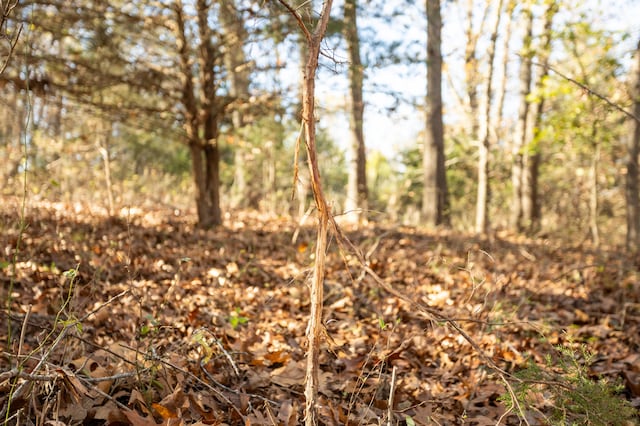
[[298, 18]]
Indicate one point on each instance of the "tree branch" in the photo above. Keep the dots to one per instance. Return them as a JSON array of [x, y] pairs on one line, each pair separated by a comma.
[[298, 18]]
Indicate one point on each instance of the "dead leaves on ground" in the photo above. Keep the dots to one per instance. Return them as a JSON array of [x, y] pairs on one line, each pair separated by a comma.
[[171, 325]]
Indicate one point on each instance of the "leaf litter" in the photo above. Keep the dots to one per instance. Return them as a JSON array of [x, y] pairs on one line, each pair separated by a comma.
[[144, 319]]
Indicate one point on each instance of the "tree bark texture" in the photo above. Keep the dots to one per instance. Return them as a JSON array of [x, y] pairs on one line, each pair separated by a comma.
[[633, 151], [357, 192], [435, 207]]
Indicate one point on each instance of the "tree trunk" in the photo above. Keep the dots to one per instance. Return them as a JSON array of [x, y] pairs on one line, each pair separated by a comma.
[[593, 193], [532, 154], [235, 36], [435, 208], [103, 145], [519, 142], [357, 192], [484, 187], [205, 161], [633, 151], [201, 114], [472, 74], [503, 77]]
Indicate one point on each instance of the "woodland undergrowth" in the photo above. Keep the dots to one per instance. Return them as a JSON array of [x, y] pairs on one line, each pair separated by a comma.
[[143, 319]]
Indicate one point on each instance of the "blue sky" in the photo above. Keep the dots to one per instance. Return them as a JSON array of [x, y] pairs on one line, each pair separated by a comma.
[[389, 131]]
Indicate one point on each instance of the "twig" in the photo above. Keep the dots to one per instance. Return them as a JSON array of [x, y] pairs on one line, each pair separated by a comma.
[[106, 395], [514, 399], [16, 372], [24, 328], [588, 90], [226, 354], [105, 304], [298, 18], [22, 389], [24, 386], [296, 158], [392, 395]]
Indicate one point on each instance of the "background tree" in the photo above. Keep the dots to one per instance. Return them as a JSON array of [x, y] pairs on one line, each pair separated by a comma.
[[532, 152], [632, 187], [519, 142], [473, 78], [435, 207], [484, 187], [176, 83], [357, 192]]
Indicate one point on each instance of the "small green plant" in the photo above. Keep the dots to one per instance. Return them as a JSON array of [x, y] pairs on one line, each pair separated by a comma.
[[236, 320], [567, 394], [150, 328]]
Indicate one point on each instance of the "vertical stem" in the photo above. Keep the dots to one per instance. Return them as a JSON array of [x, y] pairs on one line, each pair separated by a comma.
[[593, 198], [315, 326], [103, 148]]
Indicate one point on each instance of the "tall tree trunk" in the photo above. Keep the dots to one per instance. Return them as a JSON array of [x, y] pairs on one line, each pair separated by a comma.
[[593, 191], [632, 184], [502, 90], [235, 35], [201, 120], [484, 187], [519, 142], [472, 74], [207, 92], [532, 154], [435, 207], [357, 192]]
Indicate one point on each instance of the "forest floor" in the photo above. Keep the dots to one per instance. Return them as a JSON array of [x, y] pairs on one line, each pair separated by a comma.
[[143, 319]]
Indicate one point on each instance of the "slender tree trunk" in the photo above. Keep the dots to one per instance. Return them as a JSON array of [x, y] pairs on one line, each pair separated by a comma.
[[502, 90], [532, 154], [357, 192], [312, 382], [519, 143], [435, 208], [633, 151], [471, 69], [201, 119], [235, 35], [303, 183], [593, 193], [484, 187], [102, 142]]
